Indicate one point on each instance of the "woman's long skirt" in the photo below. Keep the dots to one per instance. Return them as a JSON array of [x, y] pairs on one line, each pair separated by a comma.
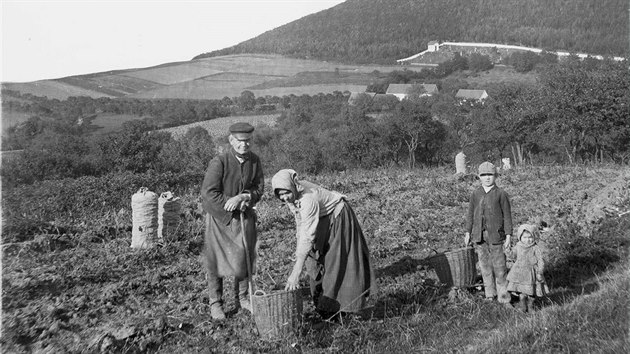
[[339, 265]]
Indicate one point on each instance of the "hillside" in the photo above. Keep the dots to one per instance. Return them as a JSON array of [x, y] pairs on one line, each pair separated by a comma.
[[381, 31], [211, 78]]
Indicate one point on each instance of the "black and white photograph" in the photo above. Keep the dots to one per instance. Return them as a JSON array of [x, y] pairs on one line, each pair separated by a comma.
[[315, 176]]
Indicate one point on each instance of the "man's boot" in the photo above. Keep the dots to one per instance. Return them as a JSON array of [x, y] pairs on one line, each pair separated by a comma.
[[215, 286]]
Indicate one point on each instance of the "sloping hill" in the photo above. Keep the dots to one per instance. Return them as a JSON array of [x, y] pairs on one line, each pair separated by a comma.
[[212, 78], [381, 31]]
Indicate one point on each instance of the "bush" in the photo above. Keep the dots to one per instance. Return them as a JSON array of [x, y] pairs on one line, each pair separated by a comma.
[[575, 255], [479, 62]]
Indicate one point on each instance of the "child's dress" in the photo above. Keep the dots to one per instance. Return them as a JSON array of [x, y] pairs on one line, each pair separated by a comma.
[[528, 267]]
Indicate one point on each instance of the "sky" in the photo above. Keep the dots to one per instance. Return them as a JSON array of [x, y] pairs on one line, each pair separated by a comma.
[[53, 39]]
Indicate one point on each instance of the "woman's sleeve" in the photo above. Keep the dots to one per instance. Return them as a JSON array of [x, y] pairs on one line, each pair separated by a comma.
[[309, 218]]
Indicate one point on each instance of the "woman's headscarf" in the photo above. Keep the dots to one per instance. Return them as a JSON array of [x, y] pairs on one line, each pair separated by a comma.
[[286, 179]]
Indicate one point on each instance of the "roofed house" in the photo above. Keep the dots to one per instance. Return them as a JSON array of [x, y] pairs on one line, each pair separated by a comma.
[[470, 95], [401, 91]]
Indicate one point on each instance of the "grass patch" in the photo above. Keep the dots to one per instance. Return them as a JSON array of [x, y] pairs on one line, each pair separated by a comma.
[[317, 78], [592, 323]]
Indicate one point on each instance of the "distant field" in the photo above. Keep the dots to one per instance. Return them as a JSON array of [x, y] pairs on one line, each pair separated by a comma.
[[218, 127], [309, 90], [52, 89], [199, 89], [108, 123], [318, 78], [499, 74], [174, 74]]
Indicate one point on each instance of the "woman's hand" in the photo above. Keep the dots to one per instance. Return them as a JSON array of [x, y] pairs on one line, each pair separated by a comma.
[[293, 282]]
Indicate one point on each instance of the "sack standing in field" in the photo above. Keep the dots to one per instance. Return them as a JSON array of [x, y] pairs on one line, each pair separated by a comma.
[[460, 163], [233, 184], [168, 215], [330, 243], [144, 205], [488, 227]]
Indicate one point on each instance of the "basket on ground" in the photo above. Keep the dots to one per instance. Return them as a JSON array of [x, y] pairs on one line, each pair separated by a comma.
[[455, 268], [278, 313]]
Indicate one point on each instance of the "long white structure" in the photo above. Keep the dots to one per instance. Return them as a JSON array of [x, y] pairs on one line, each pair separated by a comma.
[[435, 46]]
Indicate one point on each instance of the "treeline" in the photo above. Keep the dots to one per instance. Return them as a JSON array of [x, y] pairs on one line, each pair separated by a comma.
[[381, 31], [577, 113], [76, 113]]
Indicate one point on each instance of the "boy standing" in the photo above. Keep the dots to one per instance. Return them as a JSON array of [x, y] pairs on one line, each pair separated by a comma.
[[489, 228]]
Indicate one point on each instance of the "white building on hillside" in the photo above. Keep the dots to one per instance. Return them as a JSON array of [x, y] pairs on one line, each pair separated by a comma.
[[471, 95], [401, 91]]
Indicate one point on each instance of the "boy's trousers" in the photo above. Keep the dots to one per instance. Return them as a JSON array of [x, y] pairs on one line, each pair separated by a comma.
[[493, 269]]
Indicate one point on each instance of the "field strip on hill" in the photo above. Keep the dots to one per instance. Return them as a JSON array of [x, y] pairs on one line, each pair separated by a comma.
[[218, 127]]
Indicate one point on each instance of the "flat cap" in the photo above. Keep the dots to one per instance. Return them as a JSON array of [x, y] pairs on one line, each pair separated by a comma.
[[487, 168], [241, 127]]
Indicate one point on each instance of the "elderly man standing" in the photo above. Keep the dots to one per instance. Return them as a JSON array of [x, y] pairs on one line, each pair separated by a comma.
[[233, 184]]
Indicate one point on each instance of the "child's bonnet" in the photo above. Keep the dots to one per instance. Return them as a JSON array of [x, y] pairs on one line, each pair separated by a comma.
[[532, 229]]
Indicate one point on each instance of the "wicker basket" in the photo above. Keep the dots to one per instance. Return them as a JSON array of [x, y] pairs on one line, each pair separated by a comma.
[[456, 268], [278, 313]]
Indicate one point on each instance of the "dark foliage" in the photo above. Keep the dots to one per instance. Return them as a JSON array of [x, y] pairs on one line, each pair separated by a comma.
[[381, 31]]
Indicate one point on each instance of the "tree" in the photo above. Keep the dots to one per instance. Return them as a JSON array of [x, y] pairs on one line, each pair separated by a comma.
[[478, 62], [409, 120], [514, 116], [416, 91], [247, 100], [524, 61], [588, 108], [135, 148]]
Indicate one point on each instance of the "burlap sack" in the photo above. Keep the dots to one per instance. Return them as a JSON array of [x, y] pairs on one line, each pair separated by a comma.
[[144, 205]]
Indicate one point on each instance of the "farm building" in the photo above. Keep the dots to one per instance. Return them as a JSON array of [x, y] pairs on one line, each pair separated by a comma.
[[470, 95], [433, 46], [401, 91]]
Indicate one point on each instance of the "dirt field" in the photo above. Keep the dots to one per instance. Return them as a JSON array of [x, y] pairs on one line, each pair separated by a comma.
[[87, 291]]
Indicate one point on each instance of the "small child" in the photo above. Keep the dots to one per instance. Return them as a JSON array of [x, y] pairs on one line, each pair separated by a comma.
[[488, 228], [525, 278]]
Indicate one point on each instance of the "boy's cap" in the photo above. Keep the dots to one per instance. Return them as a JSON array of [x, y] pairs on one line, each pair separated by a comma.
[[241, 127], [487, 167]]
